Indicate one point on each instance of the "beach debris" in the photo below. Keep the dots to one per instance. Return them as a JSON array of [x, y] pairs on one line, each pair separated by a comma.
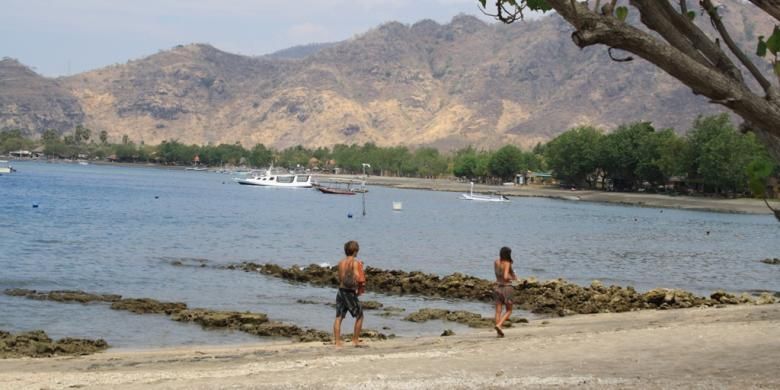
[[38, 344], [556, 297], [447, 332]]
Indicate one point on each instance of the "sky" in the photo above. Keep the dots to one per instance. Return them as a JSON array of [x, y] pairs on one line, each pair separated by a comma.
[[64, 37]]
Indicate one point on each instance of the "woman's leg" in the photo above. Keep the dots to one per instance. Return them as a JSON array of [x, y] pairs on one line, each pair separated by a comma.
[[507, 314], [498, 320]]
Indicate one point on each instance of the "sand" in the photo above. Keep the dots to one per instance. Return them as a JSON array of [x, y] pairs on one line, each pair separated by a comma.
[[733, 347]]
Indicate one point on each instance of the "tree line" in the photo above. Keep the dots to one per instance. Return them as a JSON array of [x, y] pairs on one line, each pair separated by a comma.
[[712, 157]]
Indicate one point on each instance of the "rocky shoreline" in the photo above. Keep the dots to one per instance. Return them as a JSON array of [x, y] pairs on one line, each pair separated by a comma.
[[38, 344], [553, 297], [257, 324]]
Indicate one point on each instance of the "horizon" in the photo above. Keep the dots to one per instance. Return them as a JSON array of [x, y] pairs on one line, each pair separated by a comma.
[[88, 34]]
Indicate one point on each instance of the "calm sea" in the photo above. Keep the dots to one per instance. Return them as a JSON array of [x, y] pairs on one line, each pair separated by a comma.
[[114, 229]]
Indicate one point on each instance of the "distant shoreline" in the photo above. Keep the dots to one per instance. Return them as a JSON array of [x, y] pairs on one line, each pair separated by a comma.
[[737, 206], [711, 204]]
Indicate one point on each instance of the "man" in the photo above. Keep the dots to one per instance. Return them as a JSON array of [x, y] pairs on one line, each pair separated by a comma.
[[352, 282]]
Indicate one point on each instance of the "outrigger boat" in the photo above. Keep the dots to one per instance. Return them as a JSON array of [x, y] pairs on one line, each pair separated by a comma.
[[483, 198], [5, 167]]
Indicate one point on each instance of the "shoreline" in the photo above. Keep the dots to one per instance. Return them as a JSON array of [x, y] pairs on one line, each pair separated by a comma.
[[707, 204], [733, 206], [644, 349]]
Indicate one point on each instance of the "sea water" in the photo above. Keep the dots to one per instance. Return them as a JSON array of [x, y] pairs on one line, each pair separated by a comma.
[[115, 229]]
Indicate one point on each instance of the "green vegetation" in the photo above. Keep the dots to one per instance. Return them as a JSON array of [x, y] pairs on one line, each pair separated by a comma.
[[713, 157]]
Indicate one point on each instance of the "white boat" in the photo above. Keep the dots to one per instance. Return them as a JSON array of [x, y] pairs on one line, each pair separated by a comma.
[[5, 167], [483, 198], [270, 179]]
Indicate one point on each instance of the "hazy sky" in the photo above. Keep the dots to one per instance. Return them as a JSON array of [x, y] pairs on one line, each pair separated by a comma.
[[60, 37]]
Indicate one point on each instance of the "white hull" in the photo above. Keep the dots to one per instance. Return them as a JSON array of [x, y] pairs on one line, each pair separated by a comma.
[[4, 170], [283, 181], [483, 198]]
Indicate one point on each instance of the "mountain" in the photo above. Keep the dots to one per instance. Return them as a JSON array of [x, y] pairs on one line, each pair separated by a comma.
[[451, 85], [33, 103]]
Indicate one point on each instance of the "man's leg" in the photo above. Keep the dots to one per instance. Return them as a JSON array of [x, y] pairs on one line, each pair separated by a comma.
[[337, 331], [358, 328]]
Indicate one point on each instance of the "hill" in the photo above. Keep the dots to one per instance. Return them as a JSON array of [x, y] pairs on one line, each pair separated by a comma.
[[451, 85]]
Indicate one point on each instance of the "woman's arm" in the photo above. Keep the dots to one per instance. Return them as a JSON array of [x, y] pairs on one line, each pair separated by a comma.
[[507, 274]]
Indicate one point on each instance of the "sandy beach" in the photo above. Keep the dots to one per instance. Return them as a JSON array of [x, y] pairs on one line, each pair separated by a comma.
[[732, 347], [738, 205]]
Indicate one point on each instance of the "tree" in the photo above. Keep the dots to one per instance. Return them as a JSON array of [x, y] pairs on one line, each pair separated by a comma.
[[103, 137], [81, 134], [260, 156], [50, 136], [573, 155], [507, 162], [722, 155], [627, 156], [677, 45], [465, 163]]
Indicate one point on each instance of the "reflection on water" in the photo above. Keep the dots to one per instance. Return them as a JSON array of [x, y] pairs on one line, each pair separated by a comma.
[[116, 230]]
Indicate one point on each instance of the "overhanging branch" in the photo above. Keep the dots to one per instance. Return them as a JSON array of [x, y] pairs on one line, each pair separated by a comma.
[[772, 7], [718, 23]]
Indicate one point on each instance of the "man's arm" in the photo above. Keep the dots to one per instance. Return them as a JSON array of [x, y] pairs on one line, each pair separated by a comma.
[[360, 276]]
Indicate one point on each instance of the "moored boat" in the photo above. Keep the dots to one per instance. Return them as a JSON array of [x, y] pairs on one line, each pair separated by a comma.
[[270, 179], [483, 198], [6, 168]]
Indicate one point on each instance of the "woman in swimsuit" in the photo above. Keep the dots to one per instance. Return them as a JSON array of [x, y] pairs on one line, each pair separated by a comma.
[[503, 290]]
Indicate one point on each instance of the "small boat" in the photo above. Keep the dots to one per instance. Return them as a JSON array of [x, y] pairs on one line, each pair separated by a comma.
[[6, 168], [334, 190], [199, 169], [336, 187], [483, 198], [270, 179]]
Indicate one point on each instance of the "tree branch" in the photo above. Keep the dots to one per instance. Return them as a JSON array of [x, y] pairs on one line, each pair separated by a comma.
[[656, 19], [694, 34], [772, 7], [705, 80], [718, 23]]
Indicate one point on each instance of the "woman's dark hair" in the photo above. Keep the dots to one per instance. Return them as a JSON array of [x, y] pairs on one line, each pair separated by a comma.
[[351, 248], [505, 254]]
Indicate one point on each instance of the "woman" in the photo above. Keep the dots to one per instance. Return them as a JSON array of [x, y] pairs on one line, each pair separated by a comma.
[[503, 290]]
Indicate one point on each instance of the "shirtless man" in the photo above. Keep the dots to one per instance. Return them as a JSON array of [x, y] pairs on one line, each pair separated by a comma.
[[503, 290], [352, 282]]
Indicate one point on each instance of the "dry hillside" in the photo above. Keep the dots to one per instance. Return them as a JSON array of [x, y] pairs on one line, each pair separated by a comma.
[[465, 82]]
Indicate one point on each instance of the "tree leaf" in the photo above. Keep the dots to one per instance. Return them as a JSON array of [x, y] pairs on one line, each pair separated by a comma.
[[621, 13], [483, 2], [761, 48], [538, 5], [773, 43], [691, 15]]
